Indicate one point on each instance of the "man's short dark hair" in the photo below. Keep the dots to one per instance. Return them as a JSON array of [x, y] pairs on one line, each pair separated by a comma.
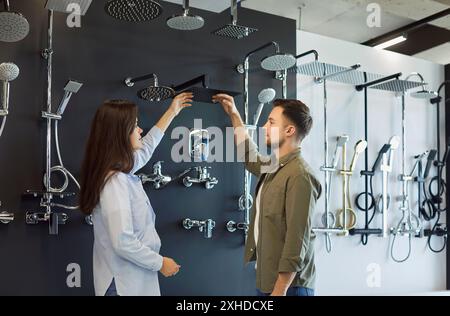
[[298, 113]]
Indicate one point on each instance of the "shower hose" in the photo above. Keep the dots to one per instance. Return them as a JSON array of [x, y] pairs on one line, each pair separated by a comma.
[[375, 206], [430, 207]]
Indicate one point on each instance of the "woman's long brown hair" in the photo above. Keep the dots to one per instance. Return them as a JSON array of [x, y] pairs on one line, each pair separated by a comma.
[[108, 149]]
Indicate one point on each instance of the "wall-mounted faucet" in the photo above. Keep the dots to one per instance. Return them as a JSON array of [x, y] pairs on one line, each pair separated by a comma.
[[5, 217], [232, 226], [203, 176], [206, 226], [157, 178]]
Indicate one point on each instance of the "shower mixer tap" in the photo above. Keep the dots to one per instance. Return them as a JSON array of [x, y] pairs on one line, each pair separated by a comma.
[[206, 226], [157, 178], [203, 176], [5, 217], [232, 226]]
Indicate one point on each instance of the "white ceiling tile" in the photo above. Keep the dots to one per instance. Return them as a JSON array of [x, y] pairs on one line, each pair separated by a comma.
[[439, 54]]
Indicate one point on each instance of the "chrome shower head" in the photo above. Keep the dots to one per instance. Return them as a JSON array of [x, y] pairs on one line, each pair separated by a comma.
[[185, 21], [14, 26], [278, 62], [68, 6], [71, 87], [424, 94], [266, 95], [234, 30], [133, 10], [8, 72]]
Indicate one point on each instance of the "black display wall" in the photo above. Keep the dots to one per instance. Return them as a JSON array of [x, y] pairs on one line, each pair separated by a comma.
[[101, 54]]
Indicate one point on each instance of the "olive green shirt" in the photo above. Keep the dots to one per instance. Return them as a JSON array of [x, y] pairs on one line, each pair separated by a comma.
[[287, 203]]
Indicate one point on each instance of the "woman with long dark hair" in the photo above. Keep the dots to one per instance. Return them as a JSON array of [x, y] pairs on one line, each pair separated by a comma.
[[126, 246]]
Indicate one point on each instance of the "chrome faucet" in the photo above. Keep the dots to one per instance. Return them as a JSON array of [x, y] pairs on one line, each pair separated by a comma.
[[159, 180], [5, 217], [205, 226], [232, 226], [203, 176]]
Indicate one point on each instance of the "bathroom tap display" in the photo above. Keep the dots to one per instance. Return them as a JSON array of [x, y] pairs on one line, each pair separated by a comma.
[[204, 226], [203, 176], [157, 178]]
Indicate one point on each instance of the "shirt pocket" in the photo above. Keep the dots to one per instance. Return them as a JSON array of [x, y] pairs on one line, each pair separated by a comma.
[[140, 213], [273, 202]]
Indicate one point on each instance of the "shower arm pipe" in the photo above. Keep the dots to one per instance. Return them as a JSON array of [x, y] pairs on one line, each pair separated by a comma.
[[246, 74], [378, 81], [234, 12], [313, 51], [132, 81], [327, 76], [200, 79]]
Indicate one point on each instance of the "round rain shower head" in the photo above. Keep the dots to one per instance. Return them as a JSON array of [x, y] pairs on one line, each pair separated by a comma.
[[133, 10], [156, 93], [424, 94], [278, 62], [13, 27], [185, 22], [8, 72], [266, 95]]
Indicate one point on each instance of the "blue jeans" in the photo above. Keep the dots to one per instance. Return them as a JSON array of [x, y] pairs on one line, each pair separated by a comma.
[[112, 291], [292, 291]]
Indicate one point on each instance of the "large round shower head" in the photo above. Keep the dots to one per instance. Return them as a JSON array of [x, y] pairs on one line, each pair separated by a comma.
[[133, 10], [13, 27], [8, 72], [266, 95], [424, 94], [278, 62], [185, 22], [156, 93]]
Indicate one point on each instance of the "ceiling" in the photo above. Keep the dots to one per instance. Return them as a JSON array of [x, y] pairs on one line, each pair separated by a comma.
[[346, 20]]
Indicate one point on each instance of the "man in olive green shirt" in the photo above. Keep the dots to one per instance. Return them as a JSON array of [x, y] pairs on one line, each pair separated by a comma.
[[280, 236]]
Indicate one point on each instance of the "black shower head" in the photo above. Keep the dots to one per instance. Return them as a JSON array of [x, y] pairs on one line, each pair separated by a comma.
[[133, 10]]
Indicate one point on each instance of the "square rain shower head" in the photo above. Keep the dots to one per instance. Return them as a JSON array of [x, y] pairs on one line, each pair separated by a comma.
[[63, 5], [234, 31], [73, 86], [205, 95]]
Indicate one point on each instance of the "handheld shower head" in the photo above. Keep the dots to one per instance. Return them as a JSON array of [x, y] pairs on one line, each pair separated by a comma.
[[359, 148], [8, 72], [264, 97], [133, 10], [394, 142], [70, 88], [66, 6], [185, 21], [278, 62], [14, 26]]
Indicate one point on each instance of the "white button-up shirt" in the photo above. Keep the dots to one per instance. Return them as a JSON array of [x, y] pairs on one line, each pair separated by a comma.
[[126, 244]]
